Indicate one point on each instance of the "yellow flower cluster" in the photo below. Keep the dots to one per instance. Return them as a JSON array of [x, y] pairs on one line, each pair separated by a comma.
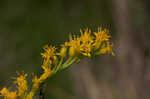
[[8, 94], [88, 44], [21, 85]]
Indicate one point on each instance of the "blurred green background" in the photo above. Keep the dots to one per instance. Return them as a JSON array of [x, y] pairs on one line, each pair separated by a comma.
[[27, 25]]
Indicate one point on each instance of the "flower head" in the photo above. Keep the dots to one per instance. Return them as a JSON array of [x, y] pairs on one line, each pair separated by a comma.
[[86, 36], [100, 37], [37, 81], [8, 94], [107, 49], [30, 95], [49, 55], [63, 51], [21, 84], [81, 45]]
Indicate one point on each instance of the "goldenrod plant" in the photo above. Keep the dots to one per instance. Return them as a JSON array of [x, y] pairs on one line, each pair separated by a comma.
[[87, 44]]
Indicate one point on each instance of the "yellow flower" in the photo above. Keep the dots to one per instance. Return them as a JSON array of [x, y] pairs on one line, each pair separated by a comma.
[[8, 94], [100, 37], [72, 51], [75, 46], [46, 74], [49, 58], [49, 55], [4, 91], [86, 42], [86, 50], [37, 81], [80, 45], [30, 95], [63, 51], [11, 95], [86, 36], [21, 84], [107, 49]]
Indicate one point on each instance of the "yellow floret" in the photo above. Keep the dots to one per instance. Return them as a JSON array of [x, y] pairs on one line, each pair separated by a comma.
[[8, 94], [21, 83]]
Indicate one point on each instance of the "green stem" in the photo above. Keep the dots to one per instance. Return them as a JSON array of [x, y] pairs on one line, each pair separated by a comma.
[[68, 61], [56, 68], [75, 59]]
